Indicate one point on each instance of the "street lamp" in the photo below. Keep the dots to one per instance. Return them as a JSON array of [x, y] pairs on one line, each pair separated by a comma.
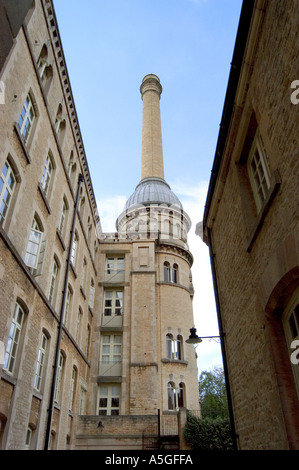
[[194, 339]]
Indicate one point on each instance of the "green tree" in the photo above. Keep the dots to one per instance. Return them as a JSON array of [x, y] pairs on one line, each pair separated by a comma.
[[212, 430], [212, 394]]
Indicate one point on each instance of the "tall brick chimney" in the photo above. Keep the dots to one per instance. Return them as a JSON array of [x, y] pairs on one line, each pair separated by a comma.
[[152, 153]]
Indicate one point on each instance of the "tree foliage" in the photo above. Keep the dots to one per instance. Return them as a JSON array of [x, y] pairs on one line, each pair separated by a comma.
[[212, 394], [212, 430]]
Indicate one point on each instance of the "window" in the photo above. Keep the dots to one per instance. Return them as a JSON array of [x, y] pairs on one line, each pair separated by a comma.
[[28, 438], [291, 328], [176, 396], [111, 349], [78, 327], [62, 219], [174, 347], [259, 172], [91, 295], [7, 186], [53, 281], [47, 174], [82, 401], [14, 338], [40, 362], [59, 378], [115, 265], [35, 248], [87, 344], [174, 274], [72, 388], [83, 278], [171, 273], [67, 308], [44, 68], [74, 249], [113, 303], [26, 119], [59, 123], [166, 272], [109, 400]]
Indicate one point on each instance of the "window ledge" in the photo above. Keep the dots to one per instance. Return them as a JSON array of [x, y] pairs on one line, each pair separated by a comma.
[[274, 187]]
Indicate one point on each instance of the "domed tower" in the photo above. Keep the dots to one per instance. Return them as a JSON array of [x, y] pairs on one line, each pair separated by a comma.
[[142, 363], [163, 370]]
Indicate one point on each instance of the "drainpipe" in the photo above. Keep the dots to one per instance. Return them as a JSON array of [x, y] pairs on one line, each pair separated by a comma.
[[68, 264], [221, 334]]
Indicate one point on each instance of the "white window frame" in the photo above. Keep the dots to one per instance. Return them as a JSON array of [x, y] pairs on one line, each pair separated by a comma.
[[109, 400], [111, 351], [259, 172], [40, 362], [53, 281], [113, 302], [7, 186], [47, 175], [36, 248], [62, 219], [67, 307], [72, 388], [60, 367], [174, 347], [14, 338], [26, 119], [175, 396], [91, 295], [115, 264], [74, 249]]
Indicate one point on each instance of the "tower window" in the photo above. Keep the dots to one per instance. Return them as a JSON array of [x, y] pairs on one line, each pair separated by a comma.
[[176, 396], [174, 347]]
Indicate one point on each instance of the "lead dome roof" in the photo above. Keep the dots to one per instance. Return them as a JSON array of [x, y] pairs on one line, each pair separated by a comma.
[[153, 190]]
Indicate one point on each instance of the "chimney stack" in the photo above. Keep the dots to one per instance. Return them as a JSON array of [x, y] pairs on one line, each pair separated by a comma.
[[152, 153]]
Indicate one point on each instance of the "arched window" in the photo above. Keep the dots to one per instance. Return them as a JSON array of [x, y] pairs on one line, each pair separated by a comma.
[[7, 187], [40, 364], [174, 347], [176, 396], [45, 70], [73, 388], [174, 273], [14, 339], [36, 246], [26, 119], [166, 271], [171, 395], [60, 368]]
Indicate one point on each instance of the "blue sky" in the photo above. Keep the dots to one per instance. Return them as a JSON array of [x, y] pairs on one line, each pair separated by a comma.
[[109, 46]]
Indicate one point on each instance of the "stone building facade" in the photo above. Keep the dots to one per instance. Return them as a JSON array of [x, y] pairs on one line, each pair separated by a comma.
[[93, 325], [252, 228]]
